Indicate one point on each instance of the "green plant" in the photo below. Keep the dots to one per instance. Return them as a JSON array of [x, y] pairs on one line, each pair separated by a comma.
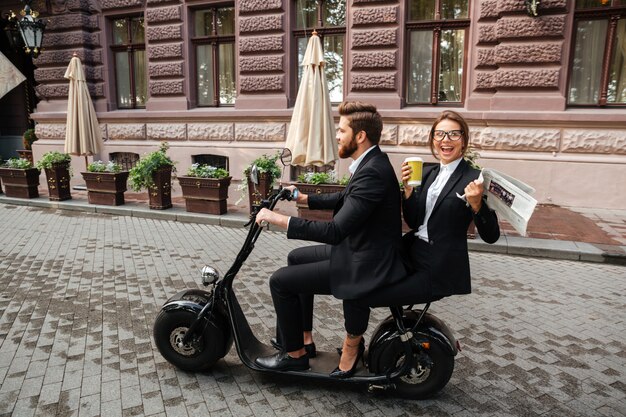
[[206, 171], [265, 164], [18, 163], [471, 156], [28, 138], [53, 158], [99, 166], [329, 177], [141, 174]]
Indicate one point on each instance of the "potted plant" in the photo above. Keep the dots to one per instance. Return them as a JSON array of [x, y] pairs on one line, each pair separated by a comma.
[[319, 183], [58, 174], [205, 189], [106, 183], [20, 178], [27, 140], [266, 171], [154, 172]]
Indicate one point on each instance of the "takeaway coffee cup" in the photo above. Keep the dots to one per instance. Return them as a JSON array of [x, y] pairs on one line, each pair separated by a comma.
[[416, 163]]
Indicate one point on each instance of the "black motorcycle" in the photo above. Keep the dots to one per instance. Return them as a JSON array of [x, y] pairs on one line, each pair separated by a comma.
[[411, 351]]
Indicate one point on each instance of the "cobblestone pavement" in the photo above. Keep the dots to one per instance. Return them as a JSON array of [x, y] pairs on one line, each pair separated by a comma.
[[79, 294]]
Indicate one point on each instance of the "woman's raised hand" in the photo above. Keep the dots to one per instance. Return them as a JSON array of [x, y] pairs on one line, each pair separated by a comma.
[[473, 194], [405, 175]]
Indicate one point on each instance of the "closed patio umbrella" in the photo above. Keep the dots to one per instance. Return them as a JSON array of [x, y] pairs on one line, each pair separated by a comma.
[[311, 136], [82, 132]]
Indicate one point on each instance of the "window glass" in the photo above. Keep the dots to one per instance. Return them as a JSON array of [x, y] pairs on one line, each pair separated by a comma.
[[422, 10], [120, 32], [306, 13], [334, 13], [617, 74], [454, 9], [122, 76], [227, 73], [204, 74], [420, 66], [587, 64], [141, 80], [451, 65], [587, 4], [203, 23], [137, 30], [226, 21], [333, 55]]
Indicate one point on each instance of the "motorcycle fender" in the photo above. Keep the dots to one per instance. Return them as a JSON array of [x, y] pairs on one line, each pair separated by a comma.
[[190, 300], [430, 326]]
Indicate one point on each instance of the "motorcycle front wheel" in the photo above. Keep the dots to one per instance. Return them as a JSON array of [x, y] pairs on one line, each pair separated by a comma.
[[200, 353], [434, 367]]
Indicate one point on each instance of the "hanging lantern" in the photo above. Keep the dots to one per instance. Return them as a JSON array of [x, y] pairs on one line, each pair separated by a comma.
[[31, 30]]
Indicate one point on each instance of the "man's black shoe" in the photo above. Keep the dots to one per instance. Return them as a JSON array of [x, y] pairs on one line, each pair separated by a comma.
[[281, 361], [311, 351]]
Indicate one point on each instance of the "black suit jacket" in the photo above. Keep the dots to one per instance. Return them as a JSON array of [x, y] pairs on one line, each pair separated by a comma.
[[365, 231], [447, 228]]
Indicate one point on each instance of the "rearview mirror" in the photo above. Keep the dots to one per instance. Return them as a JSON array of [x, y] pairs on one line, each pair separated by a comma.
[[285, 157]]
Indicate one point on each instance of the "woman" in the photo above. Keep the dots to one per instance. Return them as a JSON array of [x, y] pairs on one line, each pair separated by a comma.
[[437, 243]]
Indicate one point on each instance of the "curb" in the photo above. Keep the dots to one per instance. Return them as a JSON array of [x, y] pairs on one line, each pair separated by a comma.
[[510, 245]]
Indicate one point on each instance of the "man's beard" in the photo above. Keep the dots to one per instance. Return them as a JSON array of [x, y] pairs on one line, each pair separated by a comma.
[[349, 149]]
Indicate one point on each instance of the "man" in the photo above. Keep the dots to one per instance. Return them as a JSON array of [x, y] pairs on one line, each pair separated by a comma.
[[363, 239]]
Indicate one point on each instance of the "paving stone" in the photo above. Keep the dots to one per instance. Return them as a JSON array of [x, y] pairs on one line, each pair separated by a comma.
[[81, 291]]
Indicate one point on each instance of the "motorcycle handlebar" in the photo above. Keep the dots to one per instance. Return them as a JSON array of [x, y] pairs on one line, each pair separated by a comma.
[[271, 201]]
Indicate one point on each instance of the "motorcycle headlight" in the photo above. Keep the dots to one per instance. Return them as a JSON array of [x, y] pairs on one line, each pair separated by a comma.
[[209, 275]]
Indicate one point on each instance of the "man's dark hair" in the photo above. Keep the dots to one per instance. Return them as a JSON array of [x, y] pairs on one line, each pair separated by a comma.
[[363, 117]]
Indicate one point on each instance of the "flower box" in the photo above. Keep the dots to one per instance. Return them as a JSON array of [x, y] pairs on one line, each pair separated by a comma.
[[260, 191], [58, 179], [205, 195], [106, 188], [160, 193], [20, 183], [310, 189]]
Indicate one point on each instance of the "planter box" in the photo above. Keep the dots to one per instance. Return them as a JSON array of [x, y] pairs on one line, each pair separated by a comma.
[[260, 191], [58, 182], [322, 215], [106, 188], [160, 194], [20, 183], [205, 195]]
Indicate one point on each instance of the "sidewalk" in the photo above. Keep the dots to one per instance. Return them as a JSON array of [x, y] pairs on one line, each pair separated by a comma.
[[592, 235]]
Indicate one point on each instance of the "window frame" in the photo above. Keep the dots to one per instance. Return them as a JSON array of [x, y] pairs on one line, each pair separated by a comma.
[[131, 48], [437, 25], [612, 14], [321, 31], [215, 40]]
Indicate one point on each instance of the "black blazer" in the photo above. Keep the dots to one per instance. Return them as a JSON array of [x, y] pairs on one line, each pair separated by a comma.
[[447, 228], [365, 231]]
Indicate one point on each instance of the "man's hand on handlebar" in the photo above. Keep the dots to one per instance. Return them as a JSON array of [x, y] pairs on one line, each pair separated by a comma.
[[265, 216], [297, 196]]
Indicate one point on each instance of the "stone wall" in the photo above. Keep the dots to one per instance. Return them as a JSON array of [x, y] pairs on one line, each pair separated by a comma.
[[263, 43], [72, 28], [514, 53]]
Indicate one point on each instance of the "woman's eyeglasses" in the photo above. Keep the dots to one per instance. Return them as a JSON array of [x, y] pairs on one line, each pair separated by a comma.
[[438, 135]]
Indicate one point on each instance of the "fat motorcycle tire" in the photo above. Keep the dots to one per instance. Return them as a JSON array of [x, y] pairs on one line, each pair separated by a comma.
[[426, 382], [170, 326]]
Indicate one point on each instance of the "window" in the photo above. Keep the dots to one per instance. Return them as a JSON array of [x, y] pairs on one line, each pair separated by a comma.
[[216, 161], [126, 159], [129, 51], [214, 43], [328, 17], [598, 67], [437, 40]]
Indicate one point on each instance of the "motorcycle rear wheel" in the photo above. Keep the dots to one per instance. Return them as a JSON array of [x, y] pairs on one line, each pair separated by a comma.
[[200, 354], [426, 380]]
